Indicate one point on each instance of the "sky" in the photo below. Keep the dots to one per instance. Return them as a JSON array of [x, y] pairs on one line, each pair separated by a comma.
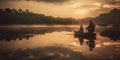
[[63, 8]]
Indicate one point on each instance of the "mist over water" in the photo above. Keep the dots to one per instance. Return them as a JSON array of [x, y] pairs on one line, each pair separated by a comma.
[[54, 42]]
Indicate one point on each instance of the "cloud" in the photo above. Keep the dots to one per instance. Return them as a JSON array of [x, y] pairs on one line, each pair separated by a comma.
[[53, 1], [88, 6], [45, 53], [107, 1], [48, 1], [53, 53]]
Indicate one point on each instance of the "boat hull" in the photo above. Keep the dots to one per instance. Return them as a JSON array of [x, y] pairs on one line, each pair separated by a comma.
[[84, 35]]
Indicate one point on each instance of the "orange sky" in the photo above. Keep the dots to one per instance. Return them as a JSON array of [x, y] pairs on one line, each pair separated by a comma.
[[64, 8]]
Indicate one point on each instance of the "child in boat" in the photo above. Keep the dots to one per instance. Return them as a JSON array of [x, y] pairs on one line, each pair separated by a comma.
[[81, 29]]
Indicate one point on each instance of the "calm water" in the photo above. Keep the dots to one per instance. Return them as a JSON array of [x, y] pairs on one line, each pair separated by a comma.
[[54, 43]]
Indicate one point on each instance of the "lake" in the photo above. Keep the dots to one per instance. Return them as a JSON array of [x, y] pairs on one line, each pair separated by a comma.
[[54, 42]]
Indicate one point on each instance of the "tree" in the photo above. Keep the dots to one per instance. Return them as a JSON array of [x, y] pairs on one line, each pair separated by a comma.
[[20, 10], [27, 11], [15, 11], [8, 10]]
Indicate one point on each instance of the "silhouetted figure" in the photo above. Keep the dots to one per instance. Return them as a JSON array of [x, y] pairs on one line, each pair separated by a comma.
[[81, 40], [81, 30], [91, 27], [91, 43]]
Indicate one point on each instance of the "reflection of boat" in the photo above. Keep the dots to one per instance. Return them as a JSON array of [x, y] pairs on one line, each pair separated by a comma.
[[84, 35], [89, 36]]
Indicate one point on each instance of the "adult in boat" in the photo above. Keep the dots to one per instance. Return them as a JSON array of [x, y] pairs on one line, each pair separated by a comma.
[[91, 27]]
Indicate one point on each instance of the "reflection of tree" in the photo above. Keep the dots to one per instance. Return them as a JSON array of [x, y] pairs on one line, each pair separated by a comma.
[[13, 36], [113, 33], [27, 32]]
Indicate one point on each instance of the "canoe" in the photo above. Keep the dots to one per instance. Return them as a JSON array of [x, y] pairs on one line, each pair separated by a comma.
[[84, 35]]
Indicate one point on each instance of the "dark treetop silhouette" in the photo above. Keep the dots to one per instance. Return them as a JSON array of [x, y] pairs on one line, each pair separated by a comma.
[[12, 16], [112, 17]]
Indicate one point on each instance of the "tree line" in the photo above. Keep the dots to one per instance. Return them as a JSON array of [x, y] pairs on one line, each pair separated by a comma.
[[112, 17], [14, 16], [10, 16]]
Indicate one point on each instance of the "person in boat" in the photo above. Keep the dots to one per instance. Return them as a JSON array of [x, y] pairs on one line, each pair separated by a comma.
[[91, 27], [81, 30]]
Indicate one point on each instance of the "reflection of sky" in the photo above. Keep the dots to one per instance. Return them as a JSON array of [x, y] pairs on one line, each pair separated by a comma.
[[105, 48]]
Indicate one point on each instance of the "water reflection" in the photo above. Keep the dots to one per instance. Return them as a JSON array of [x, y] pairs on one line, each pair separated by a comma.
[[13, 33], [91, 43], [81, 40], [9, 36], [55, 43], [90, 40]]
